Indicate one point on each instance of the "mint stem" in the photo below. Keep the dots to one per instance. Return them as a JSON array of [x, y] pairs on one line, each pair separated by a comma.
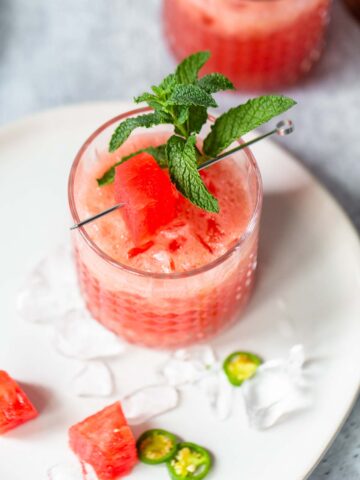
[[180, 127], [182, 130]]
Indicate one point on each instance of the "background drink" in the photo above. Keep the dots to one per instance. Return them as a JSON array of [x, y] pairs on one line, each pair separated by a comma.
[[258, 44], [171, 294]]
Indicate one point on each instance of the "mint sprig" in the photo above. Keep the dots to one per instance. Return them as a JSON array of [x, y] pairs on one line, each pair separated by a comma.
[[182, 100]]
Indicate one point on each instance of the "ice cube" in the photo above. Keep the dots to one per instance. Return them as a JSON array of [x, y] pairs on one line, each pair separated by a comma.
[[277, 389], [164, 260], [202, 354], [189, 365], [149, 402], [179, 372], [224, 401], [93, 380], [198, 366], [50, 289], [35, 301], [71, 471], [296, 361], [219, 393], [78, 335]]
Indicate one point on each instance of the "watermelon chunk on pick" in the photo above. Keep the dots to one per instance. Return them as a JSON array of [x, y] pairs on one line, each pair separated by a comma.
[[15, 407], [150, 198], [105, 441]]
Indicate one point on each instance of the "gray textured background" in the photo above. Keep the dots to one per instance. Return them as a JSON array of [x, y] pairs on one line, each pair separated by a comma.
[[56, 52]]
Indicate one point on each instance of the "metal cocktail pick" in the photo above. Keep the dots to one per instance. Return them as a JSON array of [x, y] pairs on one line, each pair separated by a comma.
[[284, 127]]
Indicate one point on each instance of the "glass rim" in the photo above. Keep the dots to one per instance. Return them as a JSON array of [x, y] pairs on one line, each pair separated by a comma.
[[158, 275]]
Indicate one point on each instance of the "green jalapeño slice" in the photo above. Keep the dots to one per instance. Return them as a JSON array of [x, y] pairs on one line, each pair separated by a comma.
[[156, 446], [240, 366], [190, 462]]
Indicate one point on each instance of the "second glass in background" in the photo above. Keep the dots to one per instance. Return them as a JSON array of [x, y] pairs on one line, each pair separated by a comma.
[[258, 44]]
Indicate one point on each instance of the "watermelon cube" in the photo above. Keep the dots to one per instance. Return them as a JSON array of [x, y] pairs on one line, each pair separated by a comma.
[[149, 196], [15, 407], [105, 441]]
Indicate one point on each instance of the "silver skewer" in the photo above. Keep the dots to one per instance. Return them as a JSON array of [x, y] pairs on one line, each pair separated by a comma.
[[284, 127], [98, 215]]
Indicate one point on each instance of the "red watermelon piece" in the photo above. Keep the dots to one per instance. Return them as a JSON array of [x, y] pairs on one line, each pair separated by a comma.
[[105, 441], [148, 194], [15, 407]]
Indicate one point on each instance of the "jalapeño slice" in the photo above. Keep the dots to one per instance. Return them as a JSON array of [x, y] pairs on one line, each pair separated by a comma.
[[189, 462], [240, 366], [156, 446]]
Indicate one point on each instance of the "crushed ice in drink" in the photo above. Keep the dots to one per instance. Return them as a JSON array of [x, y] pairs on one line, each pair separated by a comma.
[[93, 380], [50, 289], [78, 335], [189, 365], [149, 402], [164, 259], [278, 389]]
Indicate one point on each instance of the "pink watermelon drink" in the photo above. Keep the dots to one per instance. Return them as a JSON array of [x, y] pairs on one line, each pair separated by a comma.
[[176, 264], [193, 277], [258, 44]]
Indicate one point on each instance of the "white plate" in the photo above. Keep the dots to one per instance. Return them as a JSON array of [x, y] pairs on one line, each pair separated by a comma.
[[309, 259]]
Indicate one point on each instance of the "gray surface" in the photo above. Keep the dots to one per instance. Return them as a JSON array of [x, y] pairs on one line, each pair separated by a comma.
[[56, 52]]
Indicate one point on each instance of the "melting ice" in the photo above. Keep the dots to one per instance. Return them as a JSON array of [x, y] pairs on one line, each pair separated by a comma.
[[198, 366], [189, 365], [50, 290], [149, 402], [78, 335], [93, 380], [277, 389]]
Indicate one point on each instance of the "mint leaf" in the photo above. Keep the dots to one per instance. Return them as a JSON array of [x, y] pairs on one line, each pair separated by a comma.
[[159, 153], [162, 92], [182, 162], [125, 128], [187, 71], [191, 95], [151, 100], [182, 113], [242, 119], [166, 86], [145, 97], [215, 82], [197, 118], [108, 177]]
